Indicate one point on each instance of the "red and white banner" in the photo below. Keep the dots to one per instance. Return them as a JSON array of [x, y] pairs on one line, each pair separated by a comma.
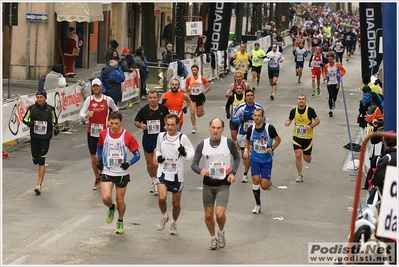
[[66, 101]]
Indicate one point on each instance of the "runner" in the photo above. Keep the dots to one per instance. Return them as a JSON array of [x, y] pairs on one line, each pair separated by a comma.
[[151, 119], [332, 73], [232, 104], [274, 59], [198, 86], [257, 56], [305, 119], [238, 80], [316, 63], [218, 175], [259, 141], [241, 61], [299, 53], [113, 145], [174, 99], [96, 108], [172, 147], [243, 118]]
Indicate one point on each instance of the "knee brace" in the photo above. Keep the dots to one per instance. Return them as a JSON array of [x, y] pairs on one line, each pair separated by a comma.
[[256, 187]]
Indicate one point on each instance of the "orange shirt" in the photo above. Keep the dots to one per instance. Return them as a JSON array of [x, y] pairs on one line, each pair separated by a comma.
[[174, 103]]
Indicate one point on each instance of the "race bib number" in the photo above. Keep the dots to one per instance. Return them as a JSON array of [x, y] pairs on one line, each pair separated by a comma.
[[301, 130], [40, 127], [247, 124], [169, 166], [218, 170], [316, 64], [299, 57], [173, 112], [154, 126], [260, 146], [332, 74], [273, 63], [235, 108], [95, 129], [256, 59], [115, 158], [196, 90]]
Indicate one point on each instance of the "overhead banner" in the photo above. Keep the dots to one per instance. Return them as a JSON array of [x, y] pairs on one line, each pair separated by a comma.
[[371, 30], [217, 36]]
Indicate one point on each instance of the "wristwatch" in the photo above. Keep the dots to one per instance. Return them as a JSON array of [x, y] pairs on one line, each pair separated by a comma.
[[233, 172]]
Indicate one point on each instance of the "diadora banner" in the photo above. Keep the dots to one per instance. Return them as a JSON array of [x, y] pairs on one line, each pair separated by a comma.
[[371, 31], [217, 35]]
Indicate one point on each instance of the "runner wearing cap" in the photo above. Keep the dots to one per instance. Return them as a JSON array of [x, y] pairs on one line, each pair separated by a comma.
[[257, 56], [96, 109], [42, 120]]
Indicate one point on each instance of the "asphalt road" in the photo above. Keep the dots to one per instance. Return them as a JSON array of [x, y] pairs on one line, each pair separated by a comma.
[[66, 224]]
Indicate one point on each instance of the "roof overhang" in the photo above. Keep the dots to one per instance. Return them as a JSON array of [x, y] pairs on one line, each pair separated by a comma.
[[80, 12]]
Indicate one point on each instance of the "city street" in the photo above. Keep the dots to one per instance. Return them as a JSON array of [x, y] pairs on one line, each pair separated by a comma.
[[66, 223]]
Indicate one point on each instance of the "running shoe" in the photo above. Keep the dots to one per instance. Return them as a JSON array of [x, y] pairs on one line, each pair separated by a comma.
[[222, 240], [318, 91], [194, 130], [272, 96], [38, 189], [299, 80], [152, 188], [119, 227], [347, 58], [299, 179], [256, 210], [97, 184], [313, 93], [173, 229], [110, 215], [214, 244], [330, 113], [257, 83], [162, 222], [244, 179]]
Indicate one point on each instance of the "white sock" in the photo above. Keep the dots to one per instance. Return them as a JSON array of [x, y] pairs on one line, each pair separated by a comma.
[[220, 231], [212, 237], [165, 215]]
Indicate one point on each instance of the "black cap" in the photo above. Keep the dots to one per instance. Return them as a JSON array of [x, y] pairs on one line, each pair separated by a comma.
[[366, 79], [141, 48], [43, 93], [114, 44]]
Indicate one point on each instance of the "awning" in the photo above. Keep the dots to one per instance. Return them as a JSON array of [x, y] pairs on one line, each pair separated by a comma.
[[80, 12]]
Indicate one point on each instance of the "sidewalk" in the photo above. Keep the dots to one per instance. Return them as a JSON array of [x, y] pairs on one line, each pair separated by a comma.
[[26, 87]]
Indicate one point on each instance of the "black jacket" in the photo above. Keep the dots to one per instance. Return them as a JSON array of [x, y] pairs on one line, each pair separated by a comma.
[[388, 158], [37, 113]]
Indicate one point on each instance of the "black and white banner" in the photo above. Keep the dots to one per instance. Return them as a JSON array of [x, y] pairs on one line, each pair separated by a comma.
[[218, 31], [371, 30]]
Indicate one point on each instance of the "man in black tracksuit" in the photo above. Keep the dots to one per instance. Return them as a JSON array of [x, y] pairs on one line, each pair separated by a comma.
[[42, 121]]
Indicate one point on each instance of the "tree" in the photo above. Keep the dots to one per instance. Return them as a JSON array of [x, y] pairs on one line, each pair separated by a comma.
[[256, 23], [180, 29], [239, 17], [148, 32]]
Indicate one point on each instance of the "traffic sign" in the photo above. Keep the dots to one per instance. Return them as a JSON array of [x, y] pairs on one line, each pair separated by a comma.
[[37, 17]]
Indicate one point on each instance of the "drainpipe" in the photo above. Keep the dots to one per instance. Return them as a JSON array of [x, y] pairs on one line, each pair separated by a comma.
[[28, 44]]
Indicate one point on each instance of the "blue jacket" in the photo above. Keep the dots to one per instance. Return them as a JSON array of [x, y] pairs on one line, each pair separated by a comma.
[[112, 78]]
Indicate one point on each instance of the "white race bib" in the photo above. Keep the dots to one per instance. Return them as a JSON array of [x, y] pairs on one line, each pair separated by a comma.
[[169, 166], [95, 129], [260, 146], [301, 130], [218, 170], [153, 126], [40, 127], [247, 124]]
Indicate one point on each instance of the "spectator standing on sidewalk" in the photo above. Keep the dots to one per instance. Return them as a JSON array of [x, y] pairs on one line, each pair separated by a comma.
[[113, 46], [112, 78], [42, 120], [140, 64], [72, 42], [167, 34], [96, 109], [171, 151], [55, 78], [218, 175]]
